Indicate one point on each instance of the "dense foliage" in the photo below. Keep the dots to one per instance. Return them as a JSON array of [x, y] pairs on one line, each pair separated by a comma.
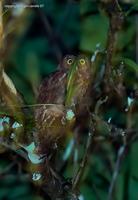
[[35, 41]]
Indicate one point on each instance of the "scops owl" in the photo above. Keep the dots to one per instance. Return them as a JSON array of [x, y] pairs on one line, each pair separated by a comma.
[[50, 116], [79, 84], [63, 96]]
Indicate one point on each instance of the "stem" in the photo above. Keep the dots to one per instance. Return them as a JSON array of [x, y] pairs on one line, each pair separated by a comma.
[[120, 156], [1, 39], [81, 170], [115, 24], [98, 104], [1, 26]]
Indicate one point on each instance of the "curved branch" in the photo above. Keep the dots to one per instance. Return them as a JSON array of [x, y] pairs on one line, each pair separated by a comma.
[[116, 18]]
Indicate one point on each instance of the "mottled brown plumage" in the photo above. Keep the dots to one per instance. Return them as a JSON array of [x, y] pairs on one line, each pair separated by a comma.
[[68, 89], [79, 85], [50, 118]]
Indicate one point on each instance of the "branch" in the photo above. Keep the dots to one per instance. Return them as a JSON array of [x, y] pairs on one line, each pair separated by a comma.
[[1, 39], [81, 170], [121, 153], [116, 19], [1, 26]]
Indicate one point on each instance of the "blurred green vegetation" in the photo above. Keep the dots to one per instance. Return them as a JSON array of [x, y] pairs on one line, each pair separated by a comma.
[[33, 50]]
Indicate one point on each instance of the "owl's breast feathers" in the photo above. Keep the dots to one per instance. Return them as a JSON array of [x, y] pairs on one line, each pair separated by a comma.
[[51, 121], [52, 89]]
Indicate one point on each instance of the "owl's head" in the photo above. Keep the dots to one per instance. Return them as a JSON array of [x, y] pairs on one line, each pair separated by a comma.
[[83, 62], [67, 62]]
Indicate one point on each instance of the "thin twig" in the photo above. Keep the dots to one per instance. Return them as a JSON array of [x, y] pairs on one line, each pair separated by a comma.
[[1, 25], [1, 38], [120, 156], [7, 146], [38, 105], [80, 171], [98, 197], [118, 6], [99, 103]]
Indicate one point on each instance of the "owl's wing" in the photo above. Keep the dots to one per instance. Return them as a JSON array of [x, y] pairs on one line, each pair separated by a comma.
[[52, 89]]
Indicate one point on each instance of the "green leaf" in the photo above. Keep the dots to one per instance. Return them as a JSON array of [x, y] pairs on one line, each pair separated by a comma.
[[131, 64], [134, 160], [92, 33], [133, 189]]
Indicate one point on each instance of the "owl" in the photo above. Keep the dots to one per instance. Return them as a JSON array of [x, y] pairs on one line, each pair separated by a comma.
[[50, 116], [79, 84], [63, 96]]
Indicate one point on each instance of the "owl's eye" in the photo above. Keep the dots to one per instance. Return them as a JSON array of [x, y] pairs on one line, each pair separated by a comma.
[[82, 61], [69, 61]]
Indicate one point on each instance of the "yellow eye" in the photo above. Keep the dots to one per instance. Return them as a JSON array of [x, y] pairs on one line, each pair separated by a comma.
[[69, 61], [82, 61]]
